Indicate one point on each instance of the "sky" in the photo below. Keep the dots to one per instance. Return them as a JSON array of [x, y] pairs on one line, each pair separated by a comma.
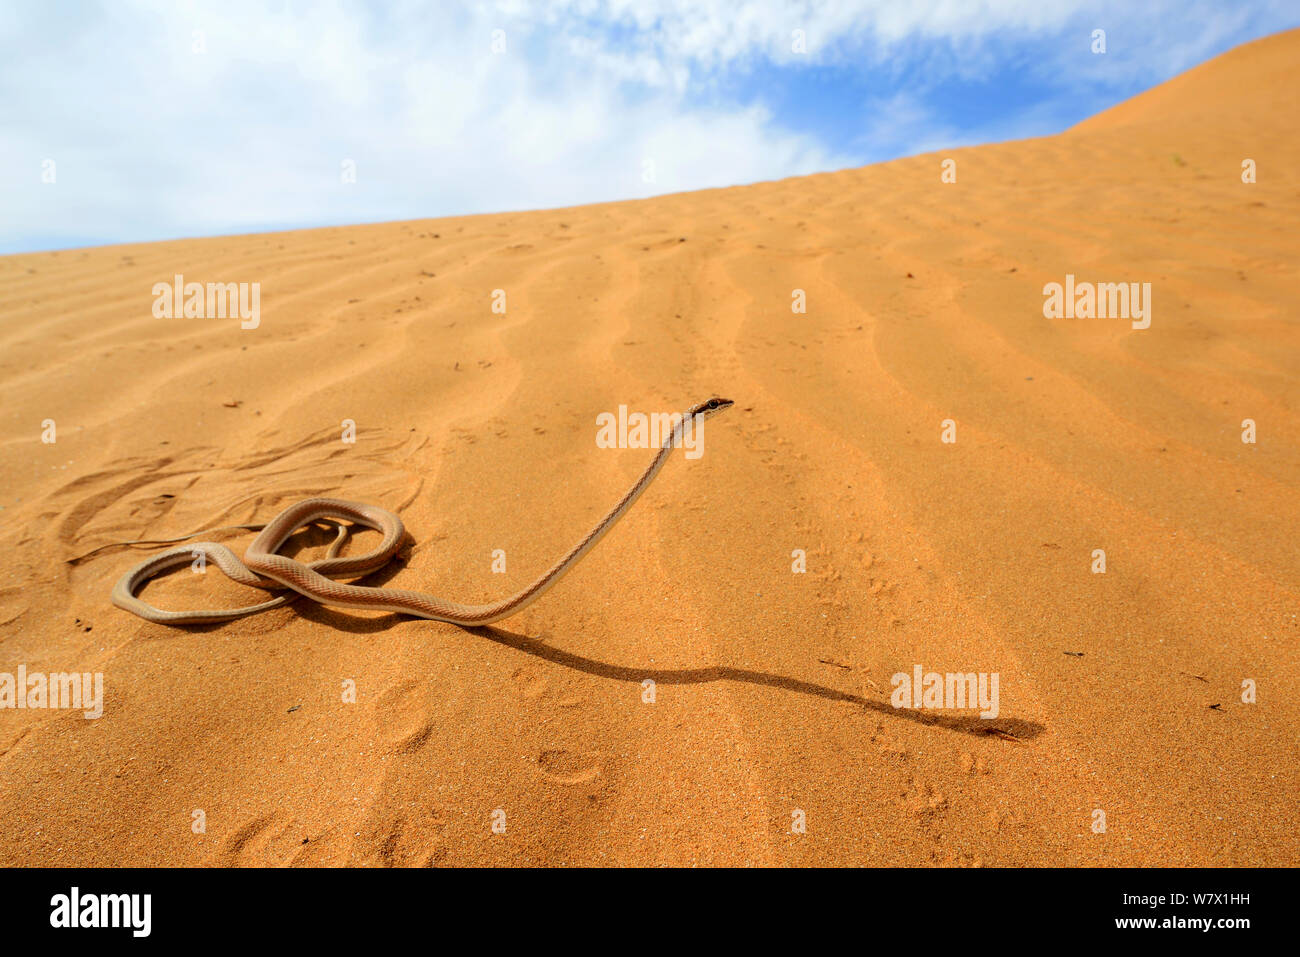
[[138, 121]]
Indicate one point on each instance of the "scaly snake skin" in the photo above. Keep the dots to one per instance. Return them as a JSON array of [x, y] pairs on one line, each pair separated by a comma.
[[263, 567]]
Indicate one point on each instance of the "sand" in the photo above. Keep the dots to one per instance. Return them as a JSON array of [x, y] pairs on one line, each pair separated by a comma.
[[1119, 692]]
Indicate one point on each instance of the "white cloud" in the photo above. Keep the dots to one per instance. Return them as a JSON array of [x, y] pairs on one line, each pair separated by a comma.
[[153, 139]]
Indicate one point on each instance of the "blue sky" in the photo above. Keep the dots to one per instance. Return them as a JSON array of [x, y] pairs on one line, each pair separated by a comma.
[[170, 119]]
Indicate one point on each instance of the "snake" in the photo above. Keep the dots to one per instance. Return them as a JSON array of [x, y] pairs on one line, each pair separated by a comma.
[[263, 567]]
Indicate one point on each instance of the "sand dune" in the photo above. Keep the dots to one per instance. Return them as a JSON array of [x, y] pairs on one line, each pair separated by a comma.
[[1119, 691]]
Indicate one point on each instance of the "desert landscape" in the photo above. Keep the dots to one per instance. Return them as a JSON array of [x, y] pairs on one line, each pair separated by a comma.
[[943, 459]]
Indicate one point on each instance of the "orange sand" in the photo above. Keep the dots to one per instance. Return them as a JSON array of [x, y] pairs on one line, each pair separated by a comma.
[[924, 304]]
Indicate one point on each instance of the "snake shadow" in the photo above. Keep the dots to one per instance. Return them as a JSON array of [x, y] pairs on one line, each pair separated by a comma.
[[1014, 729]]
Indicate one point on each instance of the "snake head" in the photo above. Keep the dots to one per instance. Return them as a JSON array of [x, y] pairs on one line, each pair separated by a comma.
[[710, 407]]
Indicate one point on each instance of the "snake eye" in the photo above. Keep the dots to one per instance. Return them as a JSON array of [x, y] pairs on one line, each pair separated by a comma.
[[713, 403]]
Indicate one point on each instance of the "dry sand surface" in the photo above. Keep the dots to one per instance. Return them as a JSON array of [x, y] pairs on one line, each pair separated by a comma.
[[1119, 691]]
